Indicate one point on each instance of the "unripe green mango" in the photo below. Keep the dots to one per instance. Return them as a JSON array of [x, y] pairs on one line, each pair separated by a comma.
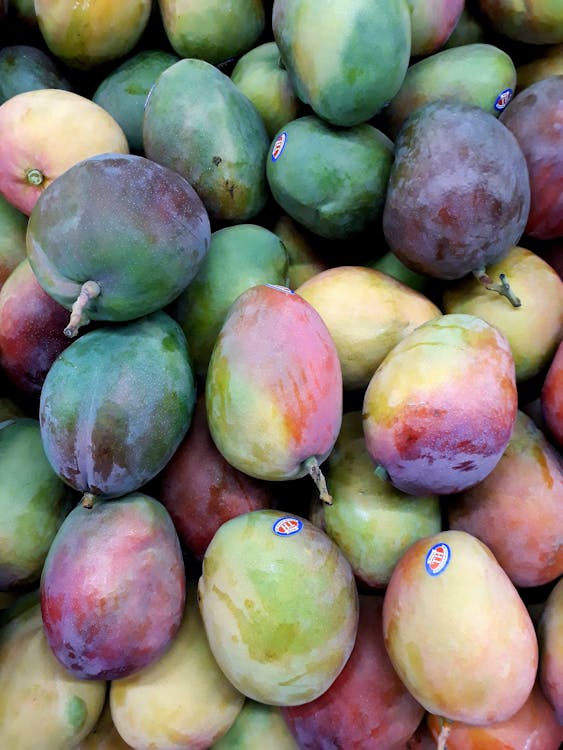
[[64, 708], [257, 725], [345, 58], [13, 226], [33, 503], [481, 75], [26, 68]]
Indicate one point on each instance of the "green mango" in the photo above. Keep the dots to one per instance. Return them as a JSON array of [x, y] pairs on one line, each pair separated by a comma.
[[257, 725], [480, 75], [261, 76], [64, 708], [200, 124], [331, 180], [13, 227], [33, 503], [116, 404], [124, 91], [27, 68], [345, 58], [239, 257]]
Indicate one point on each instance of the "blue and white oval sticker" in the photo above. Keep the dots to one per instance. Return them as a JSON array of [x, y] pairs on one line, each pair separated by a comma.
[[279, 145], [287, 526], [437, 559], [503, 99]]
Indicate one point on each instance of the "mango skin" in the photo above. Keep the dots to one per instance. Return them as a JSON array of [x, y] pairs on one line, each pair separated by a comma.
[[212, 30], [451, 205], [27, 68], [534, 117], [113, 587], [432, 23], [226, 163], [330, 180], [33, 504], [537, 22], [372, 522], [104, 735], [181, 702], [523, 493], [439, 411], [550, 634], [532, 330], [474, 74], [345, 62], [85, 35], [66, 707], [461, 641], [257, 725], [34, 125], [280, 637], [274, 385], [13, 226], [139, 230], [116, 404], [551, 398], [367, 312]]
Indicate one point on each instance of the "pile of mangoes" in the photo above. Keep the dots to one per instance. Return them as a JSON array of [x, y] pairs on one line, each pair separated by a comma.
[[281, 375]]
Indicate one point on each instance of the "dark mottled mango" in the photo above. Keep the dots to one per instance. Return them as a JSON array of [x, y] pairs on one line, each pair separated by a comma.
[[113, 587], [136, 228], [458, 195], [116, 404], [200, 124]]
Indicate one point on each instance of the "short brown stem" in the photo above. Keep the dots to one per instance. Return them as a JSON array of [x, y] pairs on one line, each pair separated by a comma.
[[318, 478], [88, 500], [502, 287], [89, 290]]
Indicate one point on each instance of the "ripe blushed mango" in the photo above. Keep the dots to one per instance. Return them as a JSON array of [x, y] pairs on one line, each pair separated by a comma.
[[457, 632]]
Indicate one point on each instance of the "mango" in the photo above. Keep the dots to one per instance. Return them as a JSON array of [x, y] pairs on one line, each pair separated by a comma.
[[113, 587], [257, 725], [551, 398], [85, 35], [138, 236], [45, 132], [180, 702], [33, 504], [480, 75], [212, 30], [279, 636], [432, 22], [225, 163], [274, 386], [238, 257], [439, 410], [13, 227], [533, 329], [535, 22], [457, 632], [104, 735], [331, 180], [27, 68], [65, 707], [367, 312], [346, 58], [550, 634], [547, 63], [372, 522], [305, 258], [523, 493], [451, 205], [534, 117], [116, 404]]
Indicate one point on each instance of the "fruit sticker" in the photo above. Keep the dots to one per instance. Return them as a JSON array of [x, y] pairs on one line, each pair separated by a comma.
[[287, 526], [279, 145], [503, 99], [437, 559]]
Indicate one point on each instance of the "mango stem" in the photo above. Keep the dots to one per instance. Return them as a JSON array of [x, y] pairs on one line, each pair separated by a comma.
[[502, 287], [89, 290], [312, 466], [443, 736], [88, 500]]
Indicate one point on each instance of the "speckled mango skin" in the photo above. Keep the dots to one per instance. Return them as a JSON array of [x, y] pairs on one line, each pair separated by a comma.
[[470, 74], [280, 612], [550, 634], [224, 162], [517, 509], [116, 404], [65, 708], [86, 34], [274, 385], [136, 228], [181, 702], [534, 22], [345, 60], [439, 411], [113, 587], [461, 641]]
